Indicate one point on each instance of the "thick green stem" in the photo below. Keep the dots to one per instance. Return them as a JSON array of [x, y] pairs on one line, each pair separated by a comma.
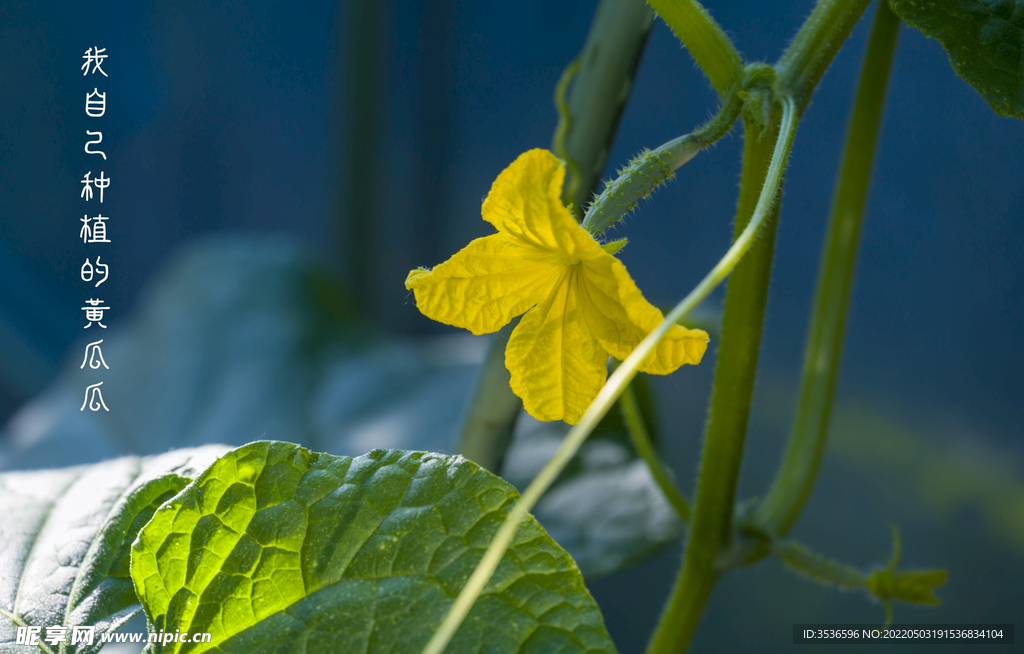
[[815, 46], [799, 468], [601, 79], [745, 300], [645, 449], [710, 47], [600, 88]]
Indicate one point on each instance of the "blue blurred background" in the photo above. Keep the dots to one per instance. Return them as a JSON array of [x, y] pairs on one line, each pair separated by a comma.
[[317, 119]]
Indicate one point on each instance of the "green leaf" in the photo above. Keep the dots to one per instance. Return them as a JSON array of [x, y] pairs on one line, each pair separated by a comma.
[[65, 537], [278, 549], [983, 39]]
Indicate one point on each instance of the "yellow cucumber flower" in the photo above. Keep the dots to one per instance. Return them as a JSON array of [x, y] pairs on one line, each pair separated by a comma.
[[580, 303]]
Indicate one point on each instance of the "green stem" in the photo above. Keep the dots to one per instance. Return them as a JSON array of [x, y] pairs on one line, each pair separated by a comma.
[[745, 300], [821, 569], [601, 78], [613, 388], [710, 47], [562, 130], [600, 88], [885, 584], [815, 46], [799, 468], [642, 443], [358, 240], [491, 416]]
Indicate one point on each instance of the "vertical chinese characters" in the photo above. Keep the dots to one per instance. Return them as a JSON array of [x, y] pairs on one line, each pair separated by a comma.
[[94, 228]]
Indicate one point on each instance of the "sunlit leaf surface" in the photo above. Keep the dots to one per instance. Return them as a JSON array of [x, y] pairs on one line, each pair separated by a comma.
[[65, 537], [279, 549]]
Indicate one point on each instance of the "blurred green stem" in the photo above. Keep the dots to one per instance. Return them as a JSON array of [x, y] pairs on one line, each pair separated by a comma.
[[645, 448], [491, 417], [589, 118], [746, 296], [817, 567], [799, 468], [600, 88], [358, 246]]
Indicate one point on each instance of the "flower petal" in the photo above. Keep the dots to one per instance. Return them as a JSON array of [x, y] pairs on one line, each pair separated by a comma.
[[525, 203], [619, 317], [557, 366], [486, 284]]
